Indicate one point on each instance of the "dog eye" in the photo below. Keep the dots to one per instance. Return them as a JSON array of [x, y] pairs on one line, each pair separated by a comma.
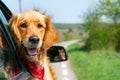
[[39, 25], [23, 25]]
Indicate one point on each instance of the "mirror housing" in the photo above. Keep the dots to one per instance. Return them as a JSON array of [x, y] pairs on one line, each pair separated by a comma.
[[57, 54]]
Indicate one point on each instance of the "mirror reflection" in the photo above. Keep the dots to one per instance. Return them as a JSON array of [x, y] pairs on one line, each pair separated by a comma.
[[57, 53]]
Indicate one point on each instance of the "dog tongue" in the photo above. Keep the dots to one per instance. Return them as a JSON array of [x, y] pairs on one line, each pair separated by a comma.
[[32, 51]]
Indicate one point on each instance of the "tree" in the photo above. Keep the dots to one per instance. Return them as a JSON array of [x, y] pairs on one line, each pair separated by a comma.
[[91, 18], [91, 23], [101, 34], [111, 9]]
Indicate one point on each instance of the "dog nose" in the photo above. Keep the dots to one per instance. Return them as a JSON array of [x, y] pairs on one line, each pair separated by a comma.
[[34, 39]]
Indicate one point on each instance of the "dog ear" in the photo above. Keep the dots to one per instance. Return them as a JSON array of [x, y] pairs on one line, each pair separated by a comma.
[[51, 35], [13, 23]]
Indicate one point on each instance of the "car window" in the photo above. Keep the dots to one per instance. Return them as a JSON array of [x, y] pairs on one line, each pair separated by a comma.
[[2, 18], [3, 22], [6, 31], [7, 13]]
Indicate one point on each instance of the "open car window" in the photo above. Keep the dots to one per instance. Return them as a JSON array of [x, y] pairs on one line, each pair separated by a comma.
[[7, 13], [10, 46]]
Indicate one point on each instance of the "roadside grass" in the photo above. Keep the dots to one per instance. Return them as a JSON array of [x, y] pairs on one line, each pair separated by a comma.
[[96, 65]]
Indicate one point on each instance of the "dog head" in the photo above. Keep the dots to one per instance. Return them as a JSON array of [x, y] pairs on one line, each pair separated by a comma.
[[34, 31]]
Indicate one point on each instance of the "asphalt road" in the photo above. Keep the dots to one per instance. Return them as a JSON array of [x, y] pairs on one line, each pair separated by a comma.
[[63, 69]]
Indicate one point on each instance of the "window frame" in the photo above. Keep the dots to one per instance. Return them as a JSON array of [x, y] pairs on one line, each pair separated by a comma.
[[7, 13]]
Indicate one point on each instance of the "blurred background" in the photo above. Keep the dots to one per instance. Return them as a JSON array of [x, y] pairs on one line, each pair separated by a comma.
[[96, 23], [65, 14]]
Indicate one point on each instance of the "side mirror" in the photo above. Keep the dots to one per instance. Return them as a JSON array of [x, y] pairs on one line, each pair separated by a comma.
[[57, 54]]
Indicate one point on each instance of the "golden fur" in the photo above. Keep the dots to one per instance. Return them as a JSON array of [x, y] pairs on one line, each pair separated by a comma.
[[33, 23]]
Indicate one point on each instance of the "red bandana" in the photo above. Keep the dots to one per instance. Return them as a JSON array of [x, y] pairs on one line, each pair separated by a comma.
[[35, 70]]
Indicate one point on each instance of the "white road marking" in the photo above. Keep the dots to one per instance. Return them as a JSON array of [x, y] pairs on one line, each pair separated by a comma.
[[63, 65], [65, 72], [65, 78]]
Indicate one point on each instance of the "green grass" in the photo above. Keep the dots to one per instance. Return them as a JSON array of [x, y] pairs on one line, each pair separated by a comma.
[[96, 65]]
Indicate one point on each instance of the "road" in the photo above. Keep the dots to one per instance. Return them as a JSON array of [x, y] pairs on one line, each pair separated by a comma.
[[63, 69]]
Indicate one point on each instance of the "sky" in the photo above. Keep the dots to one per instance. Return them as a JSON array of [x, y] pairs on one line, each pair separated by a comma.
[[61, 11]]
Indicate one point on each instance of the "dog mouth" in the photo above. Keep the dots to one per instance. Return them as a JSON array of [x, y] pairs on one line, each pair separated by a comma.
[[31, 51]]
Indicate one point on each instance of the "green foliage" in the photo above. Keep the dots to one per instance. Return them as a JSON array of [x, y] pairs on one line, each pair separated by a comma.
[[111, 9], [99, 33], [91, 18], [100, 37], [96, 65], [103, 35]]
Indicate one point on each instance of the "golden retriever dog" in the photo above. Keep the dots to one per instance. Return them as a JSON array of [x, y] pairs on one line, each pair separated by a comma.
[[33, 34]]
